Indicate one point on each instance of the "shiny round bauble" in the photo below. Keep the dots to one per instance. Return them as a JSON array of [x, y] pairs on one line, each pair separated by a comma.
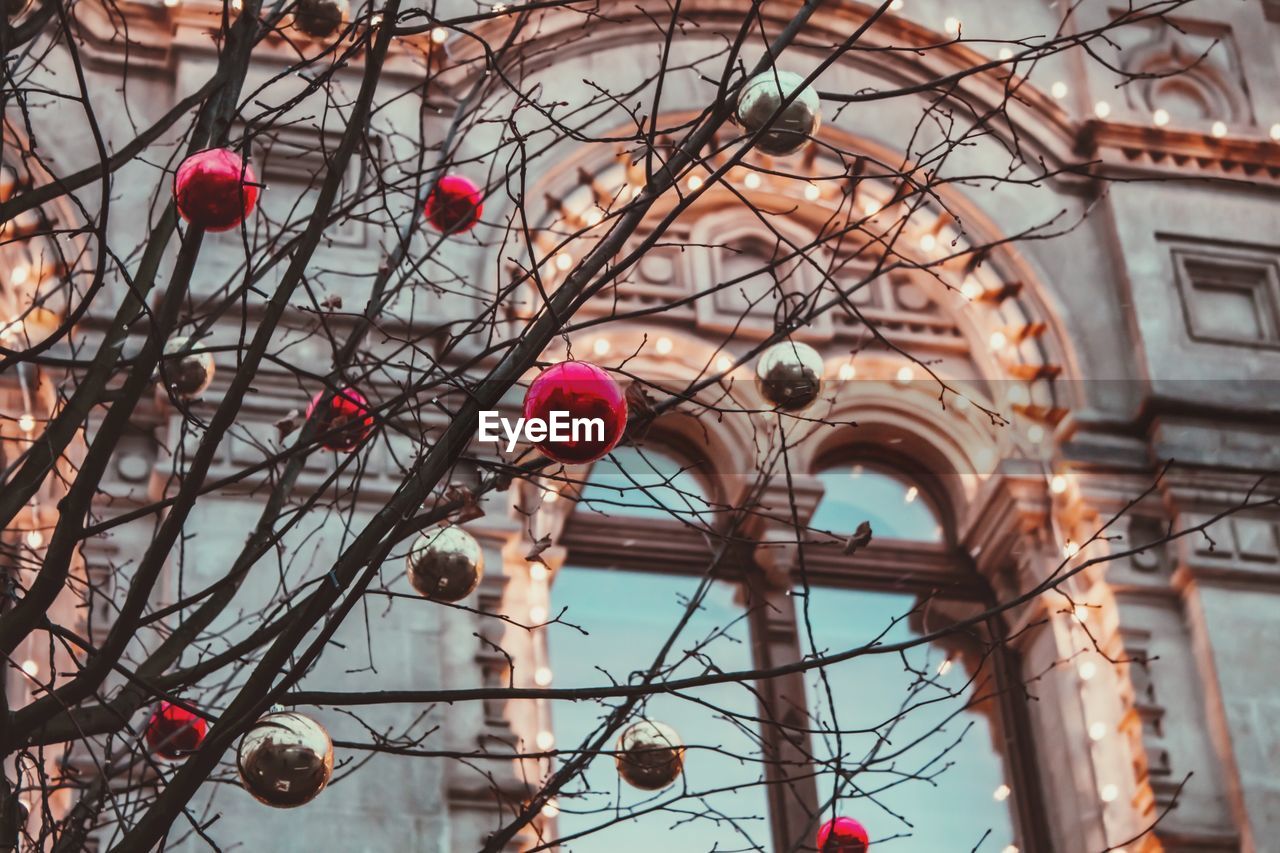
[[187, 375], [584, 393], [320, 19], [344, 419], [843, 835], [789, 375], [173, 732], [454, 204], [761, 99], [285, 760], [215, 189], [650, 755], [445, 564]]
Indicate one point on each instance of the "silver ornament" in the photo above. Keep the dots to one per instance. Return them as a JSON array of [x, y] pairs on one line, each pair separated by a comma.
[[445, 564], [189, 375], [650, 755], [760, 100], [789, 375], [320, 19], [285, 760]]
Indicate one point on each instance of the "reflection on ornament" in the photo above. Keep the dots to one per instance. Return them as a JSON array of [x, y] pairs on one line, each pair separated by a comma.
[[445, 564], [584, 391], [344, 421], [454, 205], [843, 835], [285, 760], [761, 99], [650, 755], [320, 18], [188, 375], [173, 732], [789, 375], [215, 189]]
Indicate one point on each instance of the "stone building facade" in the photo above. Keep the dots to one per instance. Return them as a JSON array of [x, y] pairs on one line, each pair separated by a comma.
[[1147, 330]]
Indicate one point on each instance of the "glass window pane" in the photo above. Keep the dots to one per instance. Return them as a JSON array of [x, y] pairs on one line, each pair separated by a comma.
[[629, 616], [895, 508], [934, 782], [643, 484]]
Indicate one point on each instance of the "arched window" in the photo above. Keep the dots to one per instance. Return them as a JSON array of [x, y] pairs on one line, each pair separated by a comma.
[[639, 545]]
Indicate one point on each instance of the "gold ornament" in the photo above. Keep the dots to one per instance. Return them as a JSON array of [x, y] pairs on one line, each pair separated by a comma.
[[650, 755], [285, 760], [320, 19], [789, 375], [761, 99], [188, 376], [445, 564]]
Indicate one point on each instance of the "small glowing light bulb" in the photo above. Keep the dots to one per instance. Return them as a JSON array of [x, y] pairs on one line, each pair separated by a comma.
[[1058, 484], [962, 403], [952, 25], [34, 538], [499, 8], [905, 373], [1002, 793], [1081, 613], [694, 183], [550, 496], [723, 363], [1275, 132], [1088, 669], [911, 495], [1070, 550], [26, 422], [896, 5], [593, 217], [664, 346], [928, 242], [1160, 117], [1035, 433], [751, 181], [1219, 129], [1006, 53], [847, 372], [812, 192], [550, 809], [601, 346], [172, 4], [439, 35], [537, 614], [971, 290], [30, 667], [542, 677], [945, 666], [20, 274], [538, 572], [545, 740], [1109, 793], [1097, 731], [375, 20], [870, 207], [564, 261], [1102, 109], [237, 4], [998, 340], [1010, 849], [1058, 89]]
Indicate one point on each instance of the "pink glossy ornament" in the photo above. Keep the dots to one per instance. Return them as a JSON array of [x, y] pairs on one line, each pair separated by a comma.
[[843, 835], [344, 422], [454, 205], [585, 393], [173, 732], [215, 189]]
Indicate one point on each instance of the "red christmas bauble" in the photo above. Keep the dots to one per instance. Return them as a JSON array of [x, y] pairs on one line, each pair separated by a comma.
[[454, 205], [843, 835], [593, 406], [346, 420], [173, 732], [215, 189]]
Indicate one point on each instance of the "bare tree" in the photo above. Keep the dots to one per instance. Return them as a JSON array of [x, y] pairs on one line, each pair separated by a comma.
[[423, 214]]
